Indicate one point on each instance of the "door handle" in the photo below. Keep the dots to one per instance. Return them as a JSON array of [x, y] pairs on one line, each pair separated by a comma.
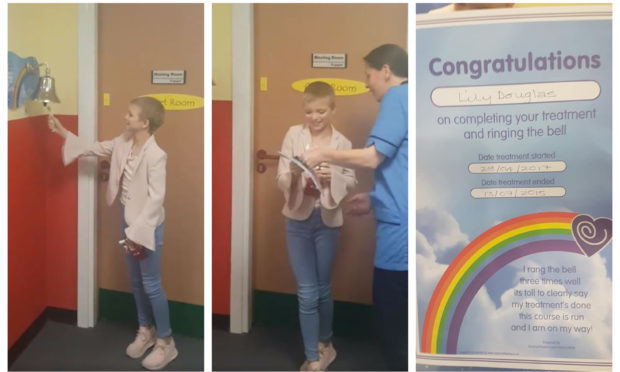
[[263, 155], [104, 171]]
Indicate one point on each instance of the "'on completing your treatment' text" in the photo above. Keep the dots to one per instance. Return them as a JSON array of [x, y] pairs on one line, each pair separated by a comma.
[[517, 126]]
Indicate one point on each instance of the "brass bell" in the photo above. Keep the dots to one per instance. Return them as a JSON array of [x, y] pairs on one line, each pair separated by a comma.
[[46, 91]]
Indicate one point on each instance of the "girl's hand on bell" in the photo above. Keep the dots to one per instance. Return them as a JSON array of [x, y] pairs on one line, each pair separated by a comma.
[[56, 126]]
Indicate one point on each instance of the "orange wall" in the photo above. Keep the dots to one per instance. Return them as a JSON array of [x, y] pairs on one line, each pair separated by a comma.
[[162, 37], [280, 57]]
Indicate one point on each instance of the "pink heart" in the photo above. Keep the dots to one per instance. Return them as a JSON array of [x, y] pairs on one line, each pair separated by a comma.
[[591, 235]]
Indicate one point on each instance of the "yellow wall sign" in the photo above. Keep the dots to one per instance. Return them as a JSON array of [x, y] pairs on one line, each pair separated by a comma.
[[342, 87], [178, 102]]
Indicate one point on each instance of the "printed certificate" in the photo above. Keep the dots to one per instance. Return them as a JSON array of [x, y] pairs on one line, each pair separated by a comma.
[[514, 188]]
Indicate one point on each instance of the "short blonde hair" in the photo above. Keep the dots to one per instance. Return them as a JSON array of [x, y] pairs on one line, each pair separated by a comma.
[[320, 89], [151, 110]]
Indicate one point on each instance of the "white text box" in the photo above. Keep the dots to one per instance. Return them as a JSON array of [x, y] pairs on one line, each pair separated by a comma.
[[518, 192], [518, 167], [516, 93]]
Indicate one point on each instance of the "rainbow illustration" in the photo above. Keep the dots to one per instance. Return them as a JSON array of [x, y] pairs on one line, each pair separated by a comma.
[[18, 83], [494, 249]]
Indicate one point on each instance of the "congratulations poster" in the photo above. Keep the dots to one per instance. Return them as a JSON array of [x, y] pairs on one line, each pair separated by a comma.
[[514, 188]]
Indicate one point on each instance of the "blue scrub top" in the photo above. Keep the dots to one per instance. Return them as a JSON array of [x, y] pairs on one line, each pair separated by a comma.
[[390, 191]]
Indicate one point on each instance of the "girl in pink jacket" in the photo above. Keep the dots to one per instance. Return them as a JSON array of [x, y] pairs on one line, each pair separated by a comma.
[[138, 177], [313, 219]]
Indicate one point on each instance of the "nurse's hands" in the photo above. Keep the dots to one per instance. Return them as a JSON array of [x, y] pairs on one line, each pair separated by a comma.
[[358, 204], [312, 158]]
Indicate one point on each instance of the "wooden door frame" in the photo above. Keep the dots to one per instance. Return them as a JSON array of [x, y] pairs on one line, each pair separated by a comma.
[[242, 169], [87, 288]]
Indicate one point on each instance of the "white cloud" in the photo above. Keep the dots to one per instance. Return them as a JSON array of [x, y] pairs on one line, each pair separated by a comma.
[[487, 328], [441, 231], [426, 193]]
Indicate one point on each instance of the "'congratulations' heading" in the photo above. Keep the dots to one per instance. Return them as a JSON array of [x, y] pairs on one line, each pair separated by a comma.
[[475, 68]]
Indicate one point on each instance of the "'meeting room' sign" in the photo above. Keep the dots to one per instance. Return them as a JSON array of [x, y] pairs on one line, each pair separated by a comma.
[[168, 77], [329, 60]]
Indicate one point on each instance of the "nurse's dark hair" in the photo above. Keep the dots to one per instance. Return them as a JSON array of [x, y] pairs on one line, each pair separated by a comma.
[[391, 55]]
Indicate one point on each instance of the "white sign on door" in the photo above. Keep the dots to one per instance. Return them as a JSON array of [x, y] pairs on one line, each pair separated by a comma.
[[168, 77], [329, 60]]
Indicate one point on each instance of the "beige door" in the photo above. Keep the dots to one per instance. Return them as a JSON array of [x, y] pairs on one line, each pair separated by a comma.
[[135, 39], [286, 36]]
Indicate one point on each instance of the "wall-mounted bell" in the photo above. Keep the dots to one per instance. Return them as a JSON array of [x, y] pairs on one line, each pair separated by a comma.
[[46, 92]]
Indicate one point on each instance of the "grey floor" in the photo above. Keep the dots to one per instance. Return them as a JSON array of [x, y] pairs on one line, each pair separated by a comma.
[[64, 347], [281, 349], [273, 349]]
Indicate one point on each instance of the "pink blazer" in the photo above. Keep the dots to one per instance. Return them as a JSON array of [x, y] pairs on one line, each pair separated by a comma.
[[144, 209], [299, 206]]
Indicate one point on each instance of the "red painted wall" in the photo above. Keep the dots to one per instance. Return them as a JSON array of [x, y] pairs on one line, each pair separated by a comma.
[[42, 223], [61, 235], [26, 224], [222, 183]]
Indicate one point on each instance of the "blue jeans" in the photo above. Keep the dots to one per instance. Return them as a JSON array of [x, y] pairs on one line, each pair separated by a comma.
[[311, 247], [145, 280]]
